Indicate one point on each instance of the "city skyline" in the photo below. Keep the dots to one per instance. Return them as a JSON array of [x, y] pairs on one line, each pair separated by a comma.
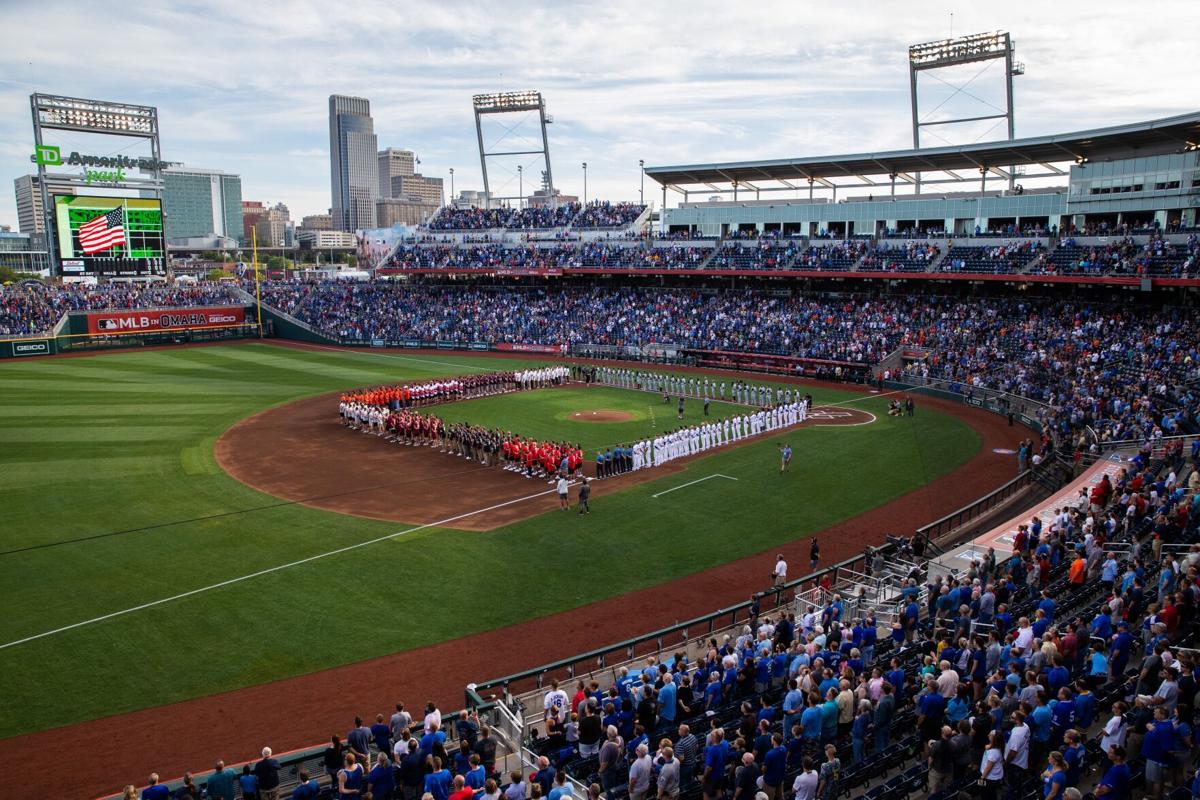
[[769, 86]]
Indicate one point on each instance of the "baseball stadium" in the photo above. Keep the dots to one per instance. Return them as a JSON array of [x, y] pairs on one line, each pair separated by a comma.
[[870, 475]]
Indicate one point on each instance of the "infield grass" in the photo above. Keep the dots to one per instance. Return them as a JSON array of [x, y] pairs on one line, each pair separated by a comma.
[[111, 499]]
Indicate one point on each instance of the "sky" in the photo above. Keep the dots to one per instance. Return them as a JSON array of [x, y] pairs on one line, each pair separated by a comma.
[[244, 87]]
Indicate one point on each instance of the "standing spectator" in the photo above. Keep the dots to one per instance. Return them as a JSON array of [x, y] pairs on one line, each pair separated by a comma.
[[350, 778], [830, 774], [333, 758], [222, 782], [991, 768], [1115, 783], [814, 553], [805, 785], [308, 789], [358, 741], [382, 778], [381, 733], [668, 775], [1016, 754], [155, 790], [267, 771], [640, 772]]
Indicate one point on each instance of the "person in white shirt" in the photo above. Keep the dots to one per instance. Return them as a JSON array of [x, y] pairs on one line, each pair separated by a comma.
[[1115, 729], [805, 785], [779, 575], [433, 717], [1016, 752], [555, 698]]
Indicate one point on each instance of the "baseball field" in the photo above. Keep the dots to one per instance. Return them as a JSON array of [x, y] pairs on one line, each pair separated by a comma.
[[137, 571]]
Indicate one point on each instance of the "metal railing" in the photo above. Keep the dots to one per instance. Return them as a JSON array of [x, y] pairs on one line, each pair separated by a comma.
[[991, 500]]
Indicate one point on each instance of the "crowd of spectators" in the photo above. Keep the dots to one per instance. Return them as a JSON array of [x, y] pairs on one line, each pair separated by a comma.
[[597, 214], [839, 256], [901, 257], [603, 214], [33, 308], [1064, 665], [1009, 257]]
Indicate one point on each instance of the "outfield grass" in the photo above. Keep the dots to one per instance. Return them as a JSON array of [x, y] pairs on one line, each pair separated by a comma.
[[111, 499], [548, 414]]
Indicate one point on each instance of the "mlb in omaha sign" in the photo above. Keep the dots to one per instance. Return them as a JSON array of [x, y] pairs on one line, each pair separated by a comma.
[[113, 322]]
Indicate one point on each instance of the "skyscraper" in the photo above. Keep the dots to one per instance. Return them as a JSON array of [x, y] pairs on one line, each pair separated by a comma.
[[353, 162], [31, 205]]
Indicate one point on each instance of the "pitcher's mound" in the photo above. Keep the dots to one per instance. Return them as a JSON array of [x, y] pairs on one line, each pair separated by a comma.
[[602, 415]]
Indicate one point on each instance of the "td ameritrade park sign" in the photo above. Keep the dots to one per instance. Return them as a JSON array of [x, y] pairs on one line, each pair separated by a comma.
[[96, 169]]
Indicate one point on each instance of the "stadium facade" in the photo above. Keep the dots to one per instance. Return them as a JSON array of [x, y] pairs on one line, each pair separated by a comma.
[[1144, 175]]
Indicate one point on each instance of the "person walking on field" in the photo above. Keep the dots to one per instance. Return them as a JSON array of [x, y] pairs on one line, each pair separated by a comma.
[[814, 553], [585, 491], [779, 574], [785, 457]]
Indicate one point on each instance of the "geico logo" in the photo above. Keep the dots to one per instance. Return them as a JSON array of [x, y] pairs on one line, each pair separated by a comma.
[[39, 347], [222, 318]]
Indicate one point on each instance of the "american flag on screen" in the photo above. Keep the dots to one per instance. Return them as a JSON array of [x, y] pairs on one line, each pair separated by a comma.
[[104, 232]]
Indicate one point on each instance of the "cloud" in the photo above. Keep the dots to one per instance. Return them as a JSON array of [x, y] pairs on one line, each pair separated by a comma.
[[245, 88]]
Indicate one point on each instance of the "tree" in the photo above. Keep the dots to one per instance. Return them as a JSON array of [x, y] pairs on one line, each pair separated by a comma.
[[277, 263], [216, 274]]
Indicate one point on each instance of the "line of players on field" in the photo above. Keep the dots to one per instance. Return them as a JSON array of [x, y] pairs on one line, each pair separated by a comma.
[[685, 386], [695, 439], [473, 442]]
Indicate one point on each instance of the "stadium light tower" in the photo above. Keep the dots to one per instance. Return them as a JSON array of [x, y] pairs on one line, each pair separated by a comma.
[[510, 103], [986, 48], [585, 183]]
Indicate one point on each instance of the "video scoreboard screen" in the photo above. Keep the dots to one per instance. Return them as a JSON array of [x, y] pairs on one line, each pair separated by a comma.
[[110, 235]]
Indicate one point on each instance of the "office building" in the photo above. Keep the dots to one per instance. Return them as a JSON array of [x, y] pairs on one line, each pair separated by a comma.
[[427, 190], [395, 163], [272, 226], [201, 203], [326, 240], [317, 222], [23, 252], [353, 163], [31, 205], [392, 211], [252, 212]]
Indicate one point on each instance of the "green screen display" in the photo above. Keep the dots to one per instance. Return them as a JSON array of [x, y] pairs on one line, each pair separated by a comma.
[[109, 235]]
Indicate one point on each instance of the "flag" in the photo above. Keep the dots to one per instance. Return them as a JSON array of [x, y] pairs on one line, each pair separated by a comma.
[[103, 232]]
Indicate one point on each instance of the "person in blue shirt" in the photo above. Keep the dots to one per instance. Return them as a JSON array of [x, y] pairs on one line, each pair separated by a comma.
[[829, 716], [1047, 605], [382, 778], [1085, 706], [811, 720], [247, 782], [160, 791], [860, 729], [1073, 754], [1058, 676], [1157, 746], [667, 700], [712, 692], [1063, 715], [308, 789], [381, 732], [1115, 783], [793, 704], [437, 782], [476, 776], [959, 707], [774, 766], [1102, 626], [1041, 725], [1054, 778]]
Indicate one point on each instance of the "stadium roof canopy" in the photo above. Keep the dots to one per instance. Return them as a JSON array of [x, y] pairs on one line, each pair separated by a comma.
[[1155, 137]]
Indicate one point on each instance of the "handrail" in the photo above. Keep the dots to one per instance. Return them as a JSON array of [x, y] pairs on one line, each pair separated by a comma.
[[474, 691]]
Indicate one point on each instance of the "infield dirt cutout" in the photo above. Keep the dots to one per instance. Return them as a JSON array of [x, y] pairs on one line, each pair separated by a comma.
[[300, 452], [602, 415]]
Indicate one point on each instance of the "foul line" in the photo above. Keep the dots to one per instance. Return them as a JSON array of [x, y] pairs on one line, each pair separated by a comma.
[[690, 483], [278, 568]]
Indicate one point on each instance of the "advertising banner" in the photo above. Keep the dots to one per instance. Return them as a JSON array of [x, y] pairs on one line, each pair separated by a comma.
[[517, 347], [28, 347], [411, 342], [176, 319], [479, 345]]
